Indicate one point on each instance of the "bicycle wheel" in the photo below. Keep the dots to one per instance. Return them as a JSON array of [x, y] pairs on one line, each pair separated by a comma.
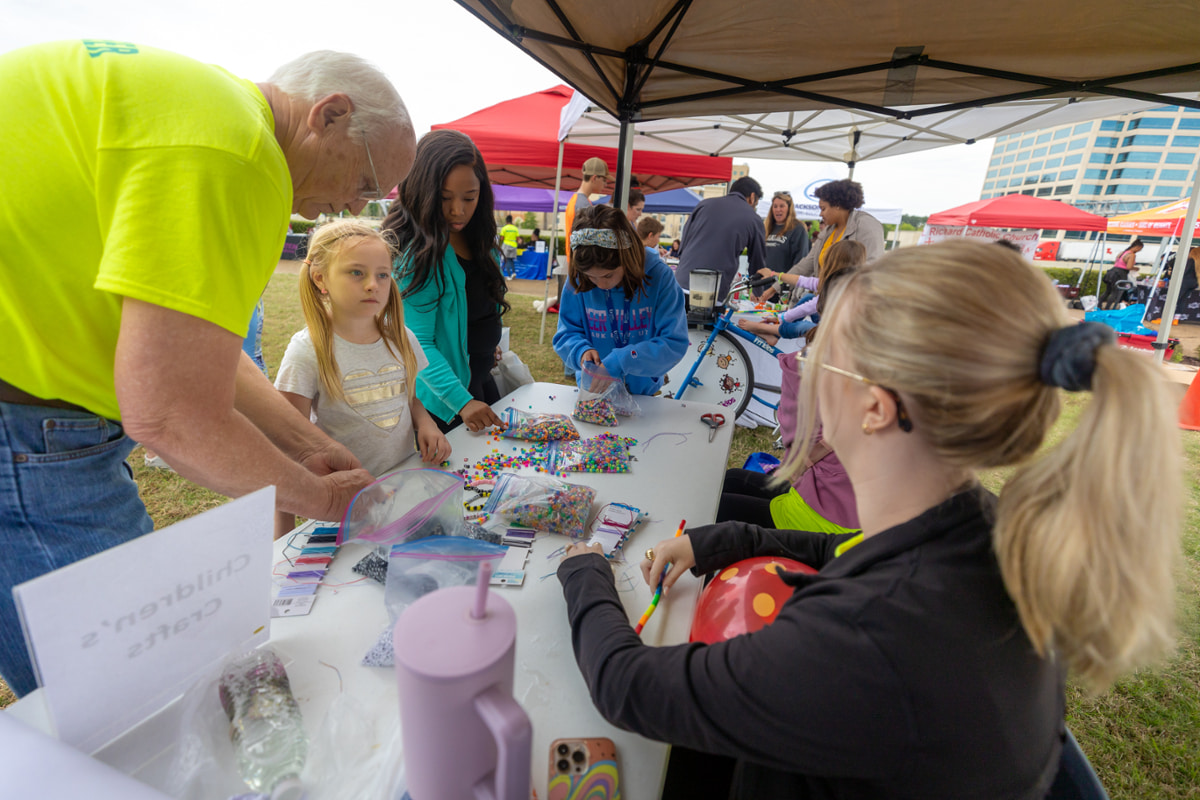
[[723, 376]]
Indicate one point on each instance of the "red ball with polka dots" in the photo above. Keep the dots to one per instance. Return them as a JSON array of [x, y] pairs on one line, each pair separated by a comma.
[[743, 598]]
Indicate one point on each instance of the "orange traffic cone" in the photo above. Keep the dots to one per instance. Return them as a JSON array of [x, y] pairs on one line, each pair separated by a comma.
[[1189, 409]]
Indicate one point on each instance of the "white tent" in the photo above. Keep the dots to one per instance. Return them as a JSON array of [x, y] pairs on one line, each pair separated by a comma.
[[921, 72]]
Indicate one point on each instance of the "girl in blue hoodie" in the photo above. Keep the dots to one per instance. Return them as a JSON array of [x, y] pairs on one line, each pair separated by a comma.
[[615, 311]]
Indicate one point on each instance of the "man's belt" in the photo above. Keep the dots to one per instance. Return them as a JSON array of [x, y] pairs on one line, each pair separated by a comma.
[[11, 394]]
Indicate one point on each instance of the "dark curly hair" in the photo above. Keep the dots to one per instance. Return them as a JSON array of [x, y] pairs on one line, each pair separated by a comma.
[[845, 194]]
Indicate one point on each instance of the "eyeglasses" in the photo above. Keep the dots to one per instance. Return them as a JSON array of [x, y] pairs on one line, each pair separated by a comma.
[[784, 194], [902, 418], [378, 193]]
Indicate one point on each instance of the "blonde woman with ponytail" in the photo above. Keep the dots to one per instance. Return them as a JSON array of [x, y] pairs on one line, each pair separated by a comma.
[[927, 657], [354, 367]]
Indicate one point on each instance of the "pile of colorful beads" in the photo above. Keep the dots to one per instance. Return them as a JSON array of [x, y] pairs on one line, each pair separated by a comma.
[[597, 411]]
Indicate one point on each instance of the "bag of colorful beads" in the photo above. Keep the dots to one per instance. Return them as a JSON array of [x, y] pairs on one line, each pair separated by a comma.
[[604, 453], [537, 427], [603, 398], [542, 503]]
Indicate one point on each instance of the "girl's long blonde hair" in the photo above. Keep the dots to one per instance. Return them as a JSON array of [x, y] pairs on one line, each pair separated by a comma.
[[329, 243], [1087, 531]]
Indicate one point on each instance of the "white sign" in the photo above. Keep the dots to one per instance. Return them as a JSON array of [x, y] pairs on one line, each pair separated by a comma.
[[1026, 240], [116, 637]]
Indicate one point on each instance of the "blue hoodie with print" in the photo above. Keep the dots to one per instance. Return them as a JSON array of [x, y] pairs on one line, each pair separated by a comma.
[[650, 330]]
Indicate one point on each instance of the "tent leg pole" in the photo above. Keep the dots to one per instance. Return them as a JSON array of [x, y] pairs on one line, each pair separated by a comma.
[[553, 246], [1181, 255], [620, 196]]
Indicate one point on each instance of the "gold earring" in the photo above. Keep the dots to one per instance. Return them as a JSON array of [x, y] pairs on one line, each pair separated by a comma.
[[867, 429]]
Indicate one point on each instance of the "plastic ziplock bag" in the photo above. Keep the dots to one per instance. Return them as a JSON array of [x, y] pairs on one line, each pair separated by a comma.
[[536, 427], [406, 505], [541, 503], [603, 398], [604, 453], [419, 567]]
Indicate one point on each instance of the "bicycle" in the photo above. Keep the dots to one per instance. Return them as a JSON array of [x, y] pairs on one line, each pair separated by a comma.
[[722, 374]]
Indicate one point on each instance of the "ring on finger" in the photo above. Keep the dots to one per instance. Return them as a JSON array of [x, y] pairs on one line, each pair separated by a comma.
[[650, 554]]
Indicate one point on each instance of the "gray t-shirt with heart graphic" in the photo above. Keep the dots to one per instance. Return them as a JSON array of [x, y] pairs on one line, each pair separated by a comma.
[[374, 421]]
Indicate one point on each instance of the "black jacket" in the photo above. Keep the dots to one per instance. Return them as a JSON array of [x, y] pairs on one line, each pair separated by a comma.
[[900, 670]]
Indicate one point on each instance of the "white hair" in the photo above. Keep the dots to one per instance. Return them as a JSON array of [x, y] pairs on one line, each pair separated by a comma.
[[378, 109]]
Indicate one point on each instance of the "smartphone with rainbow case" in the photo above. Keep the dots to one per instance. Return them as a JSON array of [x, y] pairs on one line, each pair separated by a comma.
[[583, 769]]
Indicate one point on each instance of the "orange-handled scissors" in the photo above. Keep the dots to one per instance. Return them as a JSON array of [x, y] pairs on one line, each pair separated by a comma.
[[713, 421]]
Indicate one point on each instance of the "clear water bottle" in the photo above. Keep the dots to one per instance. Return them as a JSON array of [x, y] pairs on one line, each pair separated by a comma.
[[265, 725]]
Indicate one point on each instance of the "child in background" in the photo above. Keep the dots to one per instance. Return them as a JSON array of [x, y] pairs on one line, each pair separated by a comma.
[[843, 256], [353, 369], [648, 230], [619, 309]]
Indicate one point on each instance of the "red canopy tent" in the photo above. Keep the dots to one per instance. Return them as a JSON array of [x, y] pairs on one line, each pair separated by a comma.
[[519, 141], [1020, 211]]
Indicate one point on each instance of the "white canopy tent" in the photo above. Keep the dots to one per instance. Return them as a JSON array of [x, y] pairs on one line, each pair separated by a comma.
[[901, 75]]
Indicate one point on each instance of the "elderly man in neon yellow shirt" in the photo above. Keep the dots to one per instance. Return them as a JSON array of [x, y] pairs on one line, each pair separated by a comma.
[[143, 207]]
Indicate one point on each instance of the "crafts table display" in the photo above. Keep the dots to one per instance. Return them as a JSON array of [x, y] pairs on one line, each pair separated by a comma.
[[638, 481]]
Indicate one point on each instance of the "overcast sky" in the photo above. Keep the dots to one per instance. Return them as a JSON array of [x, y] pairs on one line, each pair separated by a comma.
[[445, 63]]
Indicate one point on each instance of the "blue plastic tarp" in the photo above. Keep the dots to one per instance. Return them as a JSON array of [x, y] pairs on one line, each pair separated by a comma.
[[1125, 320]]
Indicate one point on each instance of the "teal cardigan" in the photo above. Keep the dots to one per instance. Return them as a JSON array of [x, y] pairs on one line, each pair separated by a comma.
[[440, 325]]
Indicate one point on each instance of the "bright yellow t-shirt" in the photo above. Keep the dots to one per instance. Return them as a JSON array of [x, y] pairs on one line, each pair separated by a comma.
[[128, 172], [510, 234]]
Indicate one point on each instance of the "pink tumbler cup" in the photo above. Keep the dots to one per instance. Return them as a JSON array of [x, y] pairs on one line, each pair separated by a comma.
[[465, 737]]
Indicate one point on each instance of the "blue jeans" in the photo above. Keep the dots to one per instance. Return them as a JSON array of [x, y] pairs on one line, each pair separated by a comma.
[[794, 330], [65, 493], [252, 344]]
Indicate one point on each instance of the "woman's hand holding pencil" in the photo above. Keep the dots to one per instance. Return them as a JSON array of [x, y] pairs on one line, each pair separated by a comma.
[[662, 567]]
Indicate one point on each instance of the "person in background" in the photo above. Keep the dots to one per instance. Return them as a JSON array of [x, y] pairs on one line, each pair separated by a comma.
[[1124, 266], [535, 237], [450, 279], [595, 181], [955, 615], [648, 230], [354, 366], [617, 310], [843, 257], [510, 239], [786, 236], [1189, 273], [717, 232], [676, 248], [637, 203], [842, 217]]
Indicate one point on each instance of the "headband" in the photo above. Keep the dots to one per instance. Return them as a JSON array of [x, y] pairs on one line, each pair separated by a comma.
[[599, 237], [1069, 355]]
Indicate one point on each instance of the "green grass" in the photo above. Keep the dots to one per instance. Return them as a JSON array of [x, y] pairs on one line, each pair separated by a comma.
[[1143, 736]]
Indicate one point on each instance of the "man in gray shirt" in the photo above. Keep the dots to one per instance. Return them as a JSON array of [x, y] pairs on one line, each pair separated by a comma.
[[719, 229]]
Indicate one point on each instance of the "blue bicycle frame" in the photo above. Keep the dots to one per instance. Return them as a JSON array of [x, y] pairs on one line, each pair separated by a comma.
[[722, 323]]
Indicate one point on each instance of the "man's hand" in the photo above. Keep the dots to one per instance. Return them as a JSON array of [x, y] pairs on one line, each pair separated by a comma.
[[340, 488], [333, 457]]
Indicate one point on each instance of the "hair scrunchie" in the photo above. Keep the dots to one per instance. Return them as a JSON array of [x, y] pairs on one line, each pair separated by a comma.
[[1069, 355]]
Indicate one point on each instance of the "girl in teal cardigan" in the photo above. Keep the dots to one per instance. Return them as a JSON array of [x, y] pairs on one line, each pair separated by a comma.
[[449, 278]]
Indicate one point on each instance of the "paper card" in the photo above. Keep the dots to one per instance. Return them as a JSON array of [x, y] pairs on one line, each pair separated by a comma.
[[117, 636], [511, 569], [293, 606]]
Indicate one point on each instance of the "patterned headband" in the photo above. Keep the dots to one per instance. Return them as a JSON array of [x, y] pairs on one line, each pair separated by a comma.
[[599, 237]]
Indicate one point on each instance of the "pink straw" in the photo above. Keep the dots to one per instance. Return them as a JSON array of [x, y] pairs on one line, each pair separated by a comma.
[[481, 590]]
